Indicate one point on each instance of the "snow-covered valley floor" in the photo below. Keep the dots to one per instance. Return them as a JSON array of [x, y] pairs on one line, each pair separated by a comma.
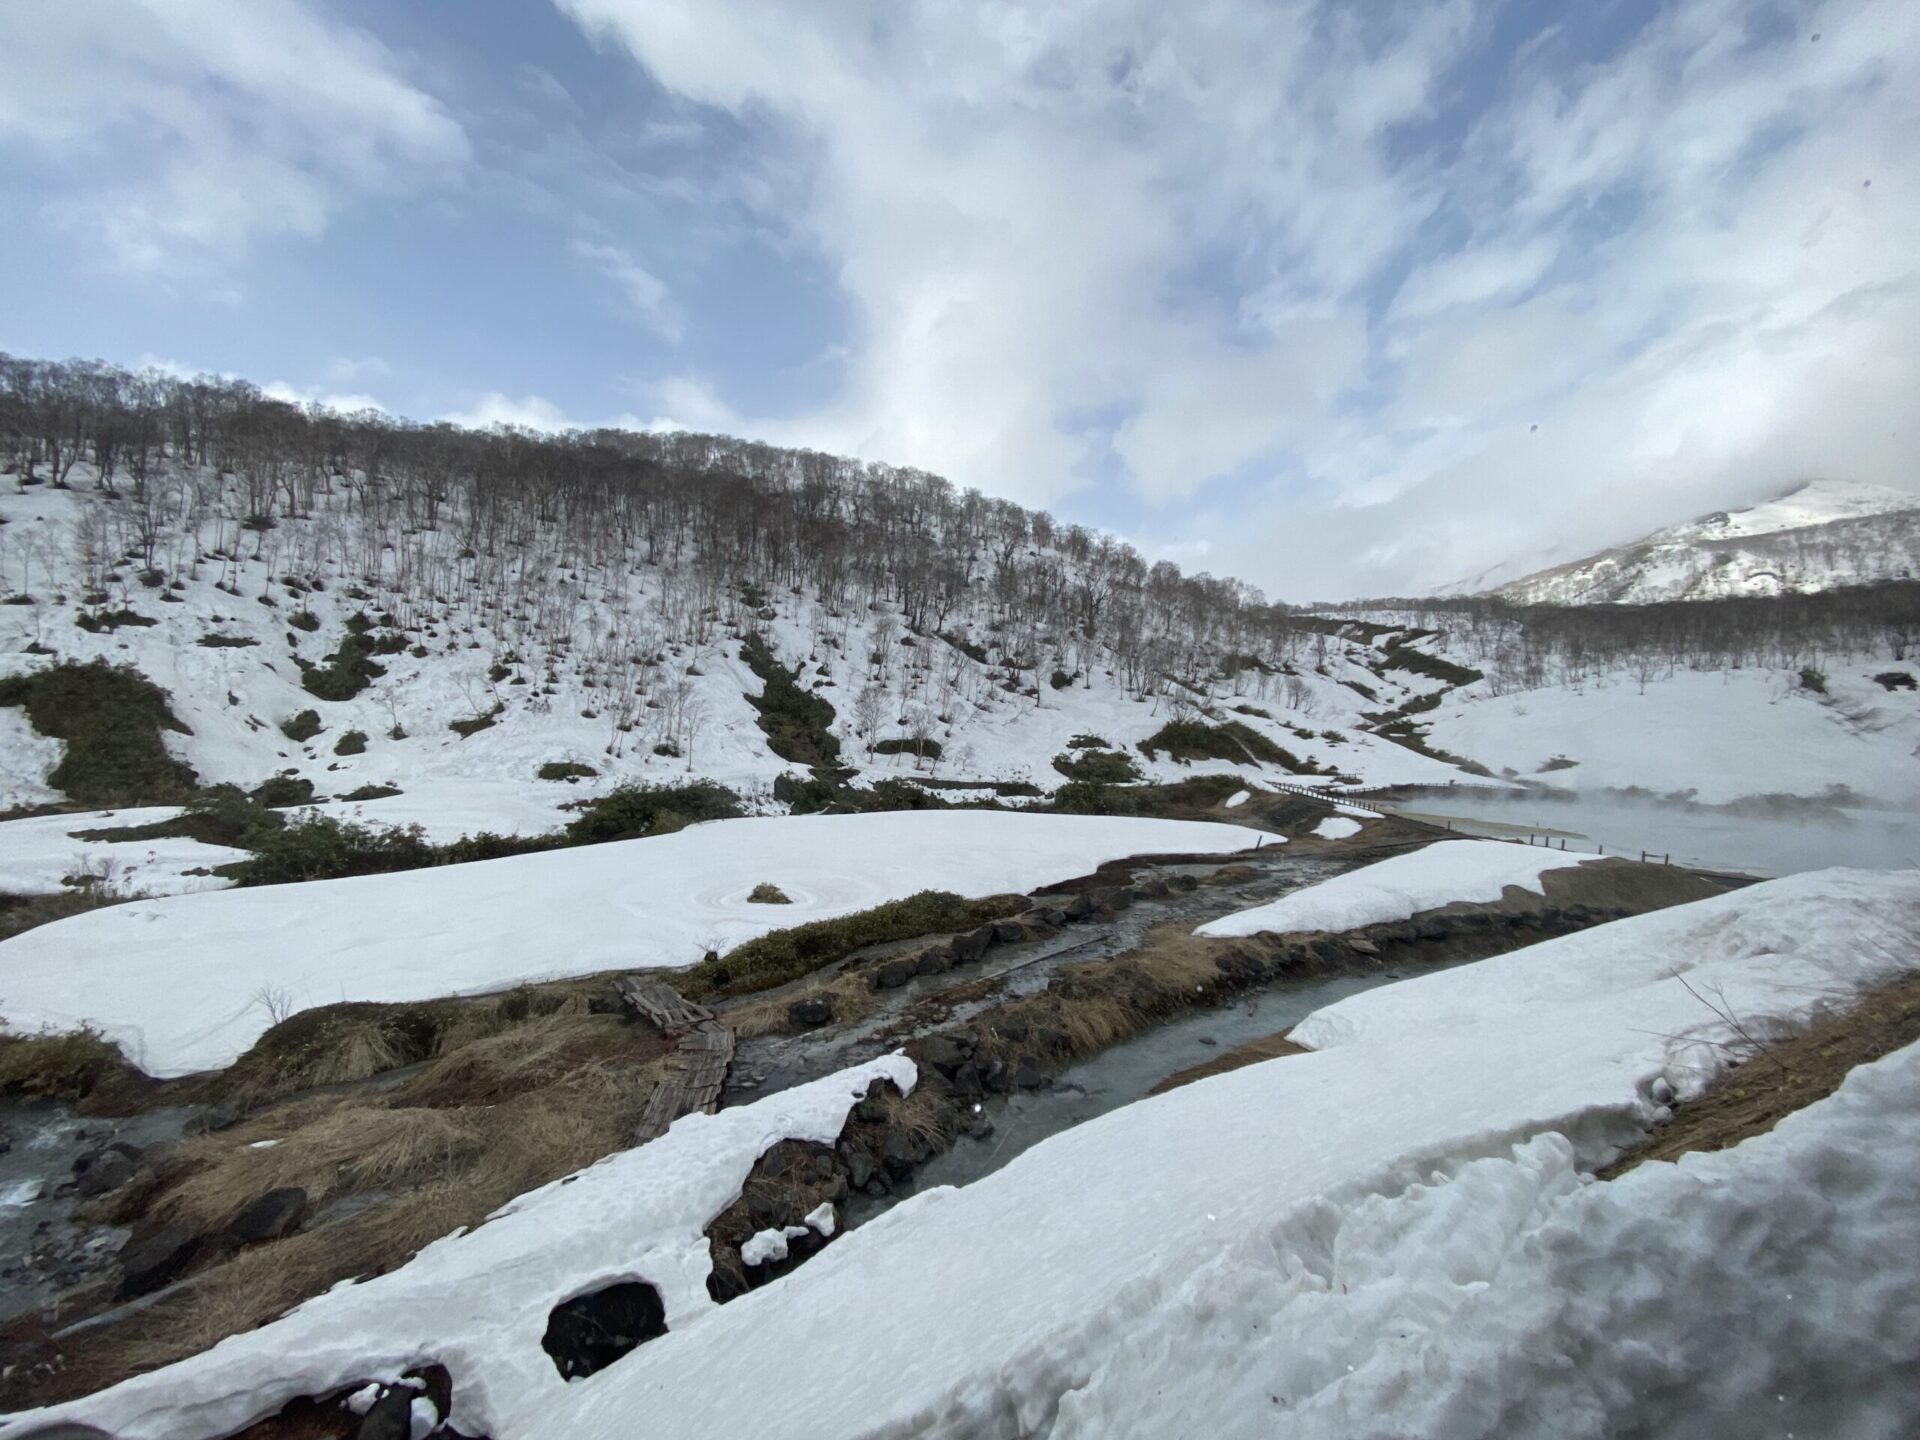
[[1390, 1235]]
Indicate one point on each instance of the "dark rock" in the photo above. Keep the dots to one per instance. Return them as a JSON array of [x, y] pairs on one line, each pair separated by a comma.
[[1082, 906], [816, 1011], [1183, 882], [223, 1116], [933, 962], [972, 945], [1117, 899], [1012, 1028], [1008, 932], [605, 1005], [1054, 1042], [994, 1077], [276, 1213], [589, 1332], [979, 1123], [966, 1079], [900, 1152], [1028, 1076], [154, 1259], [390, 1418], [1051, 916], [1154, 889], [943, 1052], [98, 1171], [893, 974], [859, 1168], [1362, 946]]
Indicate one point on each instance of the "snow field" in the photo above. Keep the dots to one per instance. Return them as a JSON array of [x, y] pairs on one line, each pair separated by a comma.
[[178, 983], [1398, 887], [36, 854], [1390, 1232], [1337, 827]]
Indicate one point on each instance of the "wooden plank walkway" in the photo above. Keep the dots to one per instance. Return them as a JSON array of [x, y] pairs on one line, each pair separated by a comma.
[[703, 1049]]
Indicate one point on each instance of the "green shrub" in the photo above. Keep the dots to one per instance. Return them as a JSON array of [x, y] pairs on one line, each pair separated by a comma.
[[1234, 742], [768, 893], [930, 748], [1098, 767], [789, 954], [1895, 679], [216, 641], [349, 669], [566, 770], [1088, 742], [304, 620], [1191, 797], [280, 791], [475, 724], [111, 717], [372, 792], [804, 796], [1814, 680], [635, 810], [302, 727], [1060, 680], [1405, 657], [794, 721], [354, 742]]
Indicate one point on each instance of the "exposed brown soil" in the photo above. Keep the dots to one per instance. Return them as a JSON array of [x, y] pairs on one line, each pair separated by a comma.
[[1267, 1047], [1786, 1076]]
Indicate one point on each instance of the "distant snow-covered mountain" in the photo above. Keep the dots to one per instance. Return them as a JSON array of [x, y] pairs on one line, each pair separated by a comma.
[[1818, 536]]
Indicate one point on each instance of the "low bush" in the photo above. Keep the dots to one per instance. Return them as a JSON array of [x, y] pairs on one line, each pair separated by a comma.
[[349, 669], [928, 748], [111, 718], [216, 641], [57, 1067], [1191, 797], [354, 742], [372, 792], [1098, 767], [767, 893], [1060, 680], [1088, 742], [1418, 662], [1895, 679], [475, 724], [566, 770], [795, 722], [1233, 741], [302, 727], [789, 954], [1814, 680], [636, 810], [280, 791]]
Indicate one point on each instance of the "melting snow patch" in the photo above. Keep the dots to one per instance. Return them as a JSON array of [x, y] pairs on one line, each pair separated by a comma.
[[1238, 798], [1396, 888], [1336, 827]]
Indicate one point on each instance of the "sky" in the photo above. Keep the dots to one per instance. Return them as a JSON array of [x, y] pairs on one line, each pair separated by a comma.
[[1340, 299]]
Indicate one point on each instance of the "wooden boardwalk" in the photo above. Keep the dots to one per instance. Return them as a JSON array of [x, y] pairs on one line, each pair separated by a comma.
[[703, 1049]]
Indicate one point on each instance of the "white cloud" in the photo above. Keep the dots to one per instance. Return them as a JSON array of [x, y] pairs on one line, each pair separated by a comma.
[[344, 403], [646, 294], [1166, 235], [183, 132]]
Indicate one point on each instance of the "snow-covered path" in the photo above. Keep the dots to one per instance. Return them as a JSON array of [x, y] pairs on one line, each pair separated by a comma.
[[179, 983], [1281, 1237]]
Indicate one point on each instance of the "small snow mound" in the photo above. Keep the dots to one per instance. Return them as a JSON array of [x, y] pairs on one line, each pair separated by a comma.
[[1336, 827], [1238, 798]]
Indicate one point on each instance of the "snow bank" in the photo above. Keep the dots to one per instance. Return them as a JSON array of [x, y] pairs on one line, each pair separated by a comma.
[[1398, 887], [1337, 827], [1509, 1296], [38, 853], [478, 1302], [1286, 1221], [982, 1310], [176, 983]]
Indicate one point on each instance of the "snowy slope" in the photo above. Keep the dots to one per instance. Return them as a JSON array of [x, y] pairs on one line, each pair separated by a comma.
[[1400, 886], [1818, 536], [1720, 735], [568, 648], [1310, 1223], [38, 854], [181, 984]]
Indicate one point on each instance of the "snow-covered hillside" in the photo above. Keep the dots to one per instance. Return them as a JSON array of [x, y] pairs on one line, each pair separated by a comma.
[[1818, 536]]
